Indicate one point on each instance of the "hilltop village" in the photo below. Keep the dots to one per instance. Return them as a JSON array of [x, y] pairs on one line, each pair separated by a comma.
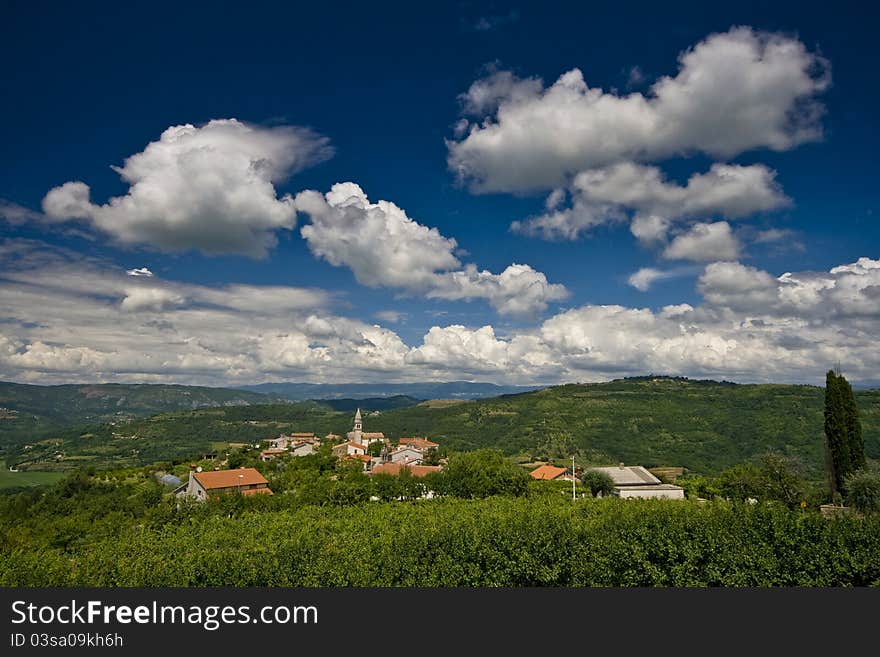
[[414, 455], [377, 454]]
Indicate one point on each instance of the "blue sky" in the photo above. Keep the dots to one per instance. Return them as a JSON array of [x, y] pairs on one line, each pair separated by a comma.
[[371, 95]]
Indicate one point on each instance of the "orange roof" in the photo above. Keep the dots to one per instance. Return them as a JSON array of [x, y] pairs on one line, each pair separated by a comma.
[[395, 468], [229, 478], [418, 443], [308, 434], [353, 444], [359, 457], [273, 450], [547, 472]]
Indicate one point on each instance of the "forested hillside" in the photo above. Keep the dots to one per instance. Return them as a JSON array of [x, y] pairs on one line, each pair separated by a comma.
[[27, 411], [705, 426]]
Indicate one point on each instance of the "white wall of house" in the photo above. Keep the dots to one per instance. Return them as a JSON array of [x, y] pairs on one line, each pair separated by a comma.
[[650, 492], [195, 489], [303, 450], [408, 455]]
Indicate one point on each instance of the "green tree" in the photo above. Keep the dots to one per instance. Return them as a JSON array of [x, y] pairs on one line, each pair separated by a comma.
[[385, 486], [742, 481], [598, 482], [855, 440], [482, 473], [781, 480], [836, 438], [863, 490], [431, 456]]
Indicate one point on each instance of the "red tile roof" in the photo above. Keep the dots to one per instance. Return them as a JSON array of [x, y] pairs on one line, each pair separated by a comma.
[[418, 443], [547, 472], [229, 478], [360, 457], [395, 469], [353, 444]]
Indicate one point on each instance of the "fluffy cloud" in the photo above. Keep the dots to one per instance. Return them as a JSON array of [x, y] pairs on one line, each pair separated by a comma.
[[385, 248], [150, 298], [66, 318], [485, 95], [605, 195], [380, 244], [733, 92], [849, 291], [704, 243], [210, 188], [78, 318], [752, 327]]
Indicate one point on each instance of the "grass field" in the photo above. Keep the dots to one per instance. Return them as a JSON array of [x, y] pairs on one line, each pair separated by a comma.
[[33, 478]]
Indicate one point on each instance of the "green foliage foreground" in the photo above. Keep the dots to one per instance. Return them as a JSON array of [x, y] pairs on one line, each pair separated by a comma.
[[538, 540]]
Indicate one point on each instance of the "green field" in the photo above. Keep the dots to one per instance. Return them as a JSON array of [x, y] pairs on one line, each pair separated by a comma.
[[21, 479]]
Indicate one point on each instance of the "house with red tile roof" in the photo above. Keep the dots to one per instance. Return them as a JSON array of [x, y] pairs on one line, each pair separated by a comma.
[[550, 473], [419, 443], [272, 453], [349, 448], [246, 481]]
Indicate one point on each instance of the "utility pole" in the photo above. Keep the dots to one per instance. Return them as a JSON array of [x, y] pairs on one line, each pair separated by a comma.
[[573, 495]]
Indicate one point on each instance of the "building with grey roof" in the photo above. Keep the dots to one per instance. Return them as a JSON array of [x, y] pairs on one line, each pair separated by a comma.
[[634, 481]]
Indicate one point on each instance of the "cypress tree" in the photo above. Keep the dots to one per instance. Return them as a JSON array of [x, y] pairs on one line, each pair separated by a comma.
[[854, 438], [836, 439]]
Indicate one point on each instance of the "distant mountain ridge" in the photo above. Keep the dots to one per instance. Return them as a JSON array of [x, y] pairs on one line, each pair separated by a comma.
[[445, 390], [370, 403], [32, 410]]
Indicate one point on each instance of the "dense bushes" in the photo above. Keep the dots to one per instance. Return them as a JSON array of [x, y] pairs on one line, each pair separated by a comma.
[[540, 540], [481, 473], [863, 490]]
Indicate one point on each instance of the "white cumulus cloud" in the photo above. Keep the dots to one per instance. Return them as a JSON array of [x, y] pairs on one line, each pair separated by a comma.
[[384, 247], [734, 91], [209, 188], [66, 319], [626, 189], [704, 243]]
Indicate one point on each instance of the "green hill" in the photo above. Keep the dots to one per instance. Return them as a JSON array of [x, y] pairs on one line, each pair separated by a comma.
[[28, 412], [702, 425], [705, 426], [167, 436], [370, 403]]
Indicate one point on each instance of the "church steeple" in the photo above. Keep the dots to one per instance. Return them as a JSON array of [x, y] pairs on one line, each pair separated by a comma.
[[358, 424]]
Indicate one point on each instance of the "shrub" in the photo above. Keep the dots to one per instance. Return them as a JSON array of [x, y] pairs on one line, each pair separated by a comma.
[[863, 490], [598, 482]]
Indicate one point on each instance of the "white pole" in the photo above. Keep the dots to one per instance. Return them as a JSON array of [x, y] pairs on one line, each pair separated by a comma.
[[573, 496]]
